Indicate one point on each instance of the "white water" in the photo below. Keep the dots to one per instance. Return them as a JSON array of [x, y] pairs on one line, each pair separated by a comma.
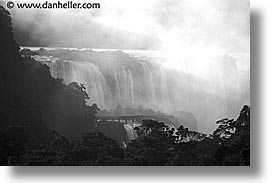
[[127, 91], [130, 131], [210, 96], [86, 73]]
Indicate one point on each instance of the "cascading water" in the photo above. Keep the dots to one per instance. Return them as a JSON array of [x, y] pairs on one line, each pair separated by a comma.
[[148, 88], [131, 90], [149, 84], [131, 82], [164, 89], [130, 131], [86, 73], [117, 95]]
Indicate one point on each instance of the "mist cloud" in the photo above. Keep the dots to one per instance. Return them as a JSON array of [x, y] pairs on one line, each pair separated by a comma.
[[139, 25]]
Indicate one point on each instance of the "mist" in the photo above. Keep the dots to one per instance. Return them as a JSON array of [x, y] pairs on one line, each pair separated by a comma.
[[180, 29], [186, 24]]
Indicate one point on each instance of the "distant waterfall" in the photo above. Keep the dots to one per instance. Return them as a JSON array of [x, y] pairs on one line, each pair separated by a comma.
[[117, 94], [130, 131], [215, 90], [149, 85], [131, 90], [164, 89], [124, 87], [86, 73]]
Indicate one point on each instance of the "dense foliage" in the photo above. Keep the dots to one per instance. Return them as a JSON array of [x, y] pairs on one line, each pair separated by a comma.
[[45, 122], [229, 144], [157, 144]]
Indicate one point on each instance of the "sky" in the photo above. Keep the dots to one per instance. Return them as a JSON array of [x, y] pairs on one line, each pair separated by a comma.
[[171, 25]]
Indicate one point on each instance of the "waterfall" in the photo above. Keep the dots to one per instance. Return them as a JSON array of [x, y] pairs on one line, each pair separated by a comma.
[[53, 68], [124, 89], [149, 85], [209, 95], [86, 73], [164, 89], [117, 94], [131, 87], [130, 131], [127, 93]]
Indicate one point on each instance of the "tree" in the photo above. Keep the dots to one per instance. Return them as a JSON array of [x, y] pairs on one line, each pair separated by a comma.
[[76, 91], [233, 137], [184, 135], [13, 142]]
